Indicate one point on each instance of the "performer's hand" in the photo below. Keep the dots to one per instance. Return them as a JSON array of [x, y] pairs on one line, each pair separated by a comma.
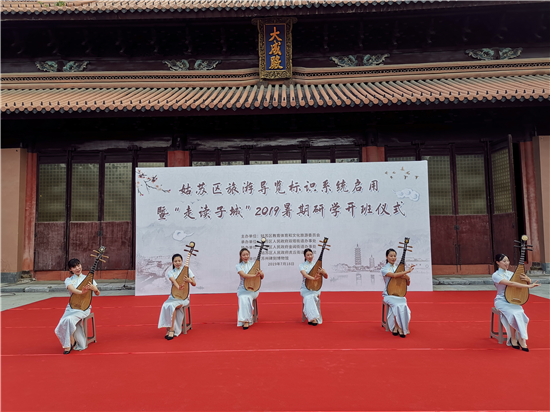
[[534, 285], [317, 276], [411, 269], [525, 278], [181, 287]]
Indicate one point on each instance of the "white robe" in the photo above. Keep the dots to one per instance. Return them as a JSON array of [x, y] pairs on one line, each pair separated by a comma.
[[170, 305], [246, 297], [71, 321], [513, 315], [311, 298], [399, 311]]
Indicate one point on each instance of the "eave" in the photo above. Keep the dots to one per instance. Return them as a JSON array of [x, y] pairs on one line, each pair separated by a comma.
[[242, 91]]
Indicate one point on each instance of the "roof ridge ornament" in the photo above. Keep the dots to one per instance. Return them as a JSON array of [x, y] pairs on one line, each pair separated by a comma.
[[183, 65], [353, 61], [489, 53], [72, 66], [177, 65], [206, 64], [47, 66]]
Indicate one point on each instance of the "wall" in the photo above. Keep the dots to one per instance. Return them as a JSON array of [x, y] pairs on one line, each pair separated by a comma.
[[14, 165], [541, 148]]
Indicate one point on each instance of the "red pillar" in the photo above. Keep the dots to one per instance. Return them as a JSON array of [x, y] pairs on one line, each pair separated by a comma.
[[381, 154], [178, 158], [373, 154], [530, 198], [30, 213]]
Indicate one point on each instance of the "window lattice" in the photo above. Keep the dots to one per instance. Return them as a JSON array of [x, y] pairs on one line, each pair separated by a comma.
[[348, 160], [200, 164], [84, 192], [502, 192], [261, 162], [439, 180], [402, 159], [470, 176], [232, 163], [51, 192], [118, 192], [145, 165]]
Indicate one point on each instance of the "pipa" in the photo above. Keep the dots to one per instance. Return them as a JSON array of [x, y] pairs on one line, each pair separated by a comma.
[[317, 284], [84, 300], [184, 293], [514, 295], [255, 283], [398, 286]]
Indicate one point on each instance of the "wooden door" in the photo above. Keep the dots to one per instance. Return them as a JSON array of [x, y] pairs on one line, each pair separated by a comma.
[[503, 211], [472, 219], [460, 224], [49, 246], [442, 208]]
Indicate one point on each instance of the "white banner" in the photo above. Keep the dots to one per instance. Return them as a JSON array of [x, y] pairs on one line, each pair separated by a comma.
[[363, 208]]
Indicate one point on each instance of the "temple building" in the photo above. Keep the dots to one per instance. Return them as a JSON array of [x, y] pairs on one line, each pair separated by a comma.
[[93, 89]]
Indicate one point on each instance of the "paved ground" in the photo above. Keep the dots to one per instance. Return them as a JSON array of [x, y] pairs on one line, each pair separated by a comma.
[[27, 291]]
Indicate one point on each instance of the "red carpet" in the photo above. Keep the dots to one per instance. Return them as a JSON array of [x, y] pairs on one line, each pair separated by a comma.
[[349, 363]]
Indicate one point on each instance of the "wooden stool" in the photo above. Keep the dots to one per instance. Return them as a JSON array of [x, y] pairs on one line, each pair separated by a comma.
[[186, 324], [385, 310], [255, 311], [501, 334], [89, 339]]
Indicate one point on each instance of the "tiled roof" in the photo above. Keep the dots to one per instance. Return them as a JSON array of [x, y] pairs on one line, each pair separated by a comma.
[[240, 98], [125, 6]]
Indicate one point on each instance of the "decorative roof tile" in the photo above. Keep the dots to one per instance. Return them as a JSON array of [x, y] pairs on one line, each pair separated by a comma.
[[50, 7], [242, 90], [274, 97]]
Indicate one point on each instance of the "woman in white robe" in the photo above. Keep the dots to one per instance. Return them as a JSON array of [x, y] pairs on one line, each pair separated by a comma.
[[69, 330], [514, 319], [399, 314], [311, 298], [246, 297], [171, 313]]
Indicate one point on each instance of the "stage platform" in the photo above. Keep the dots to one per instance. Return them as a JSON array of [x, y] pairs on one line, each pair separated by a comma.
[[349, 363]]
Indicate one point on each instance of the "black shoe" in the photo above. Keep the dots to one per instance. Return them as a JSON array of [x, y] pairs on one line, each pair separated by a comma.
[[402, 336], [168, 337], [511, 344], [310, 323], [314, 324], [394, 333], [66, 352], [245, 327], [524, 349]]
